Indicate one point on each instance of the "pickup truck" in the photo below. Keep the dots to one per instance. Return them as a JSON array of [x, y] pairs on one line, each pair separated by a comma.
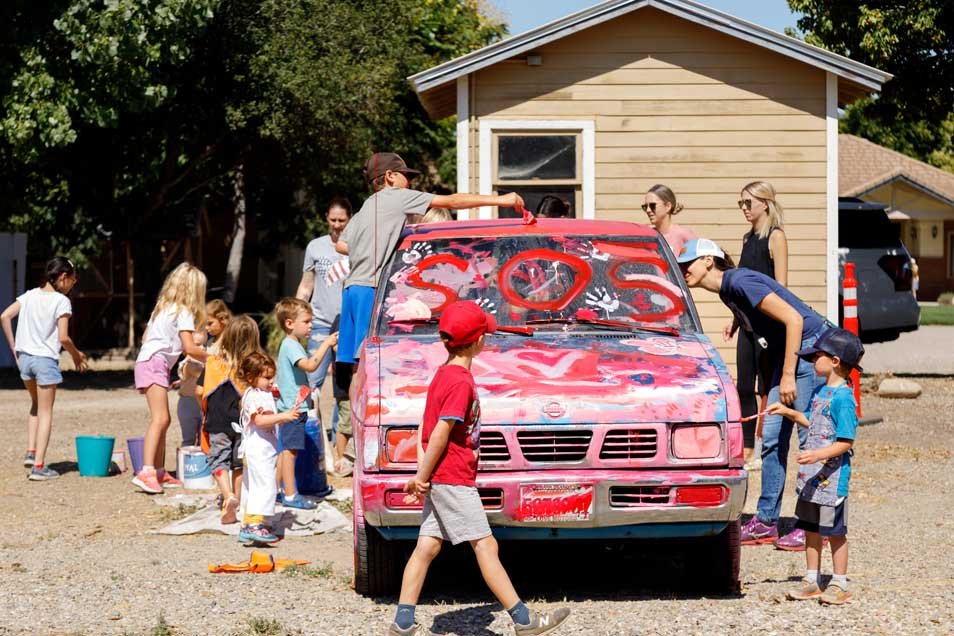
[[606, 413]]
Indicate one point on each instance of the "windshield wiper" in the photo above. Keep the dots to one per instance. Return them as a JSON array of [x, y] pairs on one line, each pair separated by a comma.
[[615, 325], [517, 330]]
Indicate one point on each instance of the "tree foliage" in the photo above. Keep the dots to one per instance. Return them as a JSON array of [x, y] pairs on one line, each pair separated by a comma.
[[914, 41], [125, 116]]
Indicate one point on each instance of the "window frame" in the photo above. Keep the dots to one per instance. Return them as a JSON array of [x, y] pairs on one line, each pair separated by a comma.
[[491, 129]]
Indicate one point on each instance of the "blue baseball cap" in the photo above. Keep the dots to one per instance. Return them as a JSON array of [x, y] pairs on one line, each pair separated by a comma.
[[836, 342], [696, 248]]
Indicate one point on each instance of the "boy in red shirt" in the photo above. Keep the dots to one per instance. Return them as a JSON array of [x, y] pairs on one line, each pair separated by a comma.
[[447, 479]]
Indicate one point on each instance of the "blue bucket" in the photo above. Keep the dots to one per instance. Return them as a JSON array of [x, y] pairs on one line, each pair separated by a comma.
[[310, 463], [94, 453]]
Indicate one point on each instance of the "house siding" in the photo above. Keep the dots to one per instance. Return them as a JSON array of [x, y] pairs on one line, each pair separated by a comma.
[[704, 113]]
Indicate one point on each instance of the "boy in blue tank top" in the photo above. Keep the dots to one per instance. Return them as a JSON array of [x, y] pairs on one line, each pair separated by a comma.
[[825, 463]]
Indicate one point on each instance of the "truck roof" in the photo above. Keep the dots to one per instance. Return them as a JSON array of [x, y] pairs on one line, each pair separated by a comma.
[[516, 227]]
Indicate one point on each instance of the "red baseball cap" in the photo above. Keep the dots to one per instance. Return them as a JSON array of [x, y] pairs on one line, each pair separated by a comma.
[[464, 322]]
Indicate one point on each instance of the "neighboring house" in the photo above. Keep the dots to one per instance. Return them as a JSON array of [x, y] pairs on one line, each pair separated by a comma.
[[920, 198], [599, 106]]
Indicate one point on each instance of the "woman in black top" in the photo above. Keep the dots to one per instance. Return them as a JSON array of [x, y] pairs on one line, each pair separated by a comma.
[[765, 250]]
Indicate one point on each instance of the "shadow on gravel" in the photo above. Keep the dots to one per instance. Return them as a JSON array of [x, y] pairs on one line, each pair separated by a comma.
[[74, 381], [65, 467], [554, 571], [476, 620]]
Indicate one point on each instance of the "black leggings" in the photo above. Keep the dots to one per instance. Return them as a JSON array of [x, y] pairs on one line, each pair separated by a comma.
[[754, 366]]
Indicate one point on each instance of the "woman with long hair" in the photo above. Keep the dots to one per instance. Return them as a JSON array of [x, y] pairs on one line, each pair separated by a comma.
[[765, 250], [660, 206]]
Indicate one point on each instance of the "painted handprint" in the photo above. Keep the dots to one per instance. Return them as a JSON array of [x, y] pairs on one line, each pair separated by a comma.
[[602, 298], [487, 305], [416, 253]]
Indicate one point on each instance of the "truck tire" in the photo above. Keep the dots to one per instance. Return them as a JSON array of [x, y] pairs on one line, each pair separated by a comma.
[[376, 563], [714, 565]]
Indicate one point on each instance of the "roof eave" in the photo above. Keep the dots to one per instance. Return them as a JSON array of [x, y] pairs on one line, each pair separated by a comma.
[[866, 76]]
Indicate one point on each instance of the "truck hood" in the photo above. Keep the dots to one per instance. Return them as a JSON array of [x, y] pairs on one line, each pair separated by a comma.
[[556, 378]]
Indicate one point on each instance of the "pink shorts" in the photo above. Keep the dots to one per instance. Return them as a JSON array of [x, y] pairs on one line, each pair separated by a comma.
[[155, 370]]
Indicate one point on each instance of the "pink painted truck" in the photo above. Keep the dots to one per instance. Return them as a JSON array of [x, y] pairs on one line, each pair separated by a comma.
[[606, 412]]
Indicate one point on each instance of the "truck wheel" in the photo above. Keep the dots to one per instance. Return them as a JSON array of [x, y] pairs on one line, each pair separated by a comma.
[[714, 565], [376, 566]]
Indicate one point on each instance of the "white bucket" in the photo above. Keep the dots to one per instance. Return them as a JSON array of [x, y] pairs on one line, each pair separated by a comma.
[[193, 465]]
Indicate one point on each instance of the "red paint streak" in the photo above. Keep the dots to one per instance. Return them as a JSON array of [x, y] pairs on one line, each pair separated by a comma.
[[578, 265], [402, 445], [642, 252], [677, 305], [414, 279], [556, 505], [515, 227]]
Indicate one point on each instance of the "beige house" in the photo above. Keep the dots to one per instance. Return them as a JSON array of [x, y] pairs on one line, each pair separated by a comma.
[[920, 198], [602, 104]]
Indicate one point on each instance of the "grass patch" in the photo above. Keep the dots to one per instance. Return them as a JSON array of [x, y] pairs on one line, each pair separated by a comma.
[[162, 628], [937, 314], [267, 627], [323, 571], [345, 506], [168, 514]]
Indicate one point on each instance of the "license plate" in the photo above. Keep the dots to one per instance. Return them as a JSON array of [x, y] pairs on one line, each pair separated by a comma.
[[555, 502]]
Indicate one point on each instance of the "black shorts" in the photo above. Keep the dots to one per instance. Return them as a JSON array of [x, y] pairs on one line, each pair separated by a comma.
[[292, 434], [828, 521]]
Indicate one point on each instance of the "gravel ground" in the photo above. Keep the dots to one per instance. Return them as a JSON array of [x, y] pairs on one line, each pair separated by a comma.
[[77, 557]]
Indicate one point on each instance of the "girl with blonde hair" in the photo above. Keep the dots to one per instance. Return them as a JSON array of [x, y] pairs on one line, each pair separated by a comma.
[[660, 206], [170, 333], [764, 250]]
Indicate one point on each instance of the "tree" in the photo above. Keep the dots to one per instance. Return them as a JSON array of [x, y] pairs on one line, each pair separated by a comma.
[[914, 40], [126, 116]]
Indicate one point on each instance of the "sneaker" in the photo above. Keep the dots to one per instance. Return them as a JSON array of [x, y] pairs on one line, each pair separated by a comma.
[[805, 592], [414, 630], [43, 474], [166, 480], [229, 511], [298, 502], [542, 623], [280, 497], [29, 459], [147, 482], [257, 534], [755, 532], [794, 541], [834, 595]]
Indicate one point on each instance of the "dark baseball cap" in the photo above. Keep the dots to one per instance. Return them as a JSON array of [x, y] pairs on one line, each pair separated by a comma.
[[381, 162], [464, 322], [836, 342]]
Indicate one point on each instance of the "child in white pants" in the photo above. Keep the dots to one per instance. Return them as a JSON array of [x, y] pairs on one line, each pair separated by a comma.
[[260, 445]]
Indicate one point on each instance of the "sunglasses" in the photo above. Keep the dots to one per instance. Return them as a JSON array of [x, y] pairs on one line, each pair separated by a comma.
[[745, 204], [648, 206]]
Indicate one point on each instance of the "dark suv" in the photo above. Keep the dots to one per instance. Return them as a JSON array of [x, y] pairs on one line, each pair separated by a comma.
[[868, 238]]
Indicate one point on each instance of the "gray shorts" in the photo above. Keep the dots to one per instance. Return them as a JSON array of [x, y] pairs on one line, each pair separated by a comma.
[[455, 514]]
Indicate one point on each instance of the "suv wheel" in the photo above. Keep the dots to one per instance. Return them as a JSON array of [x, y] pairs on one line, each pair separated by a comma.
[[376, 562], [714, 565]]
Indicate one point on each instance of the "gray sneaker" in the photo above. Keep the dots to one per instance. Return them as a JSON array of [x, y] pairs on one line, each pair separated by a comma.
[[43, 474], [414, 630], [542, 623], [29, 459]]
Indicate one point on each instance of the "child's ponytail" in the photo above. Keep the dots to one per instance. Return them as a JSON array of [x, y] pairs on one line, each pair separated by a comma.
[[56, 267]]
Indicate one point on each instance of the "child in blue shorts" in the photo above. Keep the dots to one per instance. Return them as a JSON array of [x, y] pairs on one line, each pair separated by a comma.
[[294, 365], [825, 463]]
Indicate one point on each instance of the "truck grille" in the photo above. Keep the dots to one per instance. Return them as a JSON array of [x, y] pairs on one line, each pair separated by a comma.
[[629, 444], [493, 447], [554, 445], [635, 496], [492, 498]]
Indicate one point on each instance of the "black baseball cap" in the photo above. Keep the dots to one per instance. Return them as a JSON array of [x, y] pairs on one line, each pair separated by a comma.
[[381, 162], [836, 342]]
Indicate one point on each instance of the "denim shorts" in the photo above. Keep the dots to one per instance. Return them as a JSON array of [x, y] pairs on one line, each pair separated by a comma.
[[46, 371], [292, 434]]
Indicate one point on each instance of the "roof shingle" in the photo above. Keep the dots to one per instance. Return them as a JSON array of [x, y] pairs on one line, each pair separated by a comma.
[[864, 165]]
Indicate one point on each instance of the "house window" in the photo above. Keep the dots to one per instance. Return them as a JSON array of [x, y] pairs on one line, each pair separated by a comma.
[[535, 163]]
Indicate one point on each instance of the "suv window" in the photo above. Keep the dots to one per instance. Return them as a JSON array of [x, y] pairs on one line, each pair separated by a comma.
[[535, 277]]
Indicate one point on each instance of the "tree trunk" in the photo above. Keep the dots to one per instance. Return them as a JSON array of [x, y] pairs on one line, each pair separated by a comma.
[[234, 266]]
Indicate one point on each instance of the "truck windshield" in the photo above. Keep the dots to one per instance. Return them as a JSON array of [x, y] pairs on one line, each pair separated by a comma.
[[539, 280]]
